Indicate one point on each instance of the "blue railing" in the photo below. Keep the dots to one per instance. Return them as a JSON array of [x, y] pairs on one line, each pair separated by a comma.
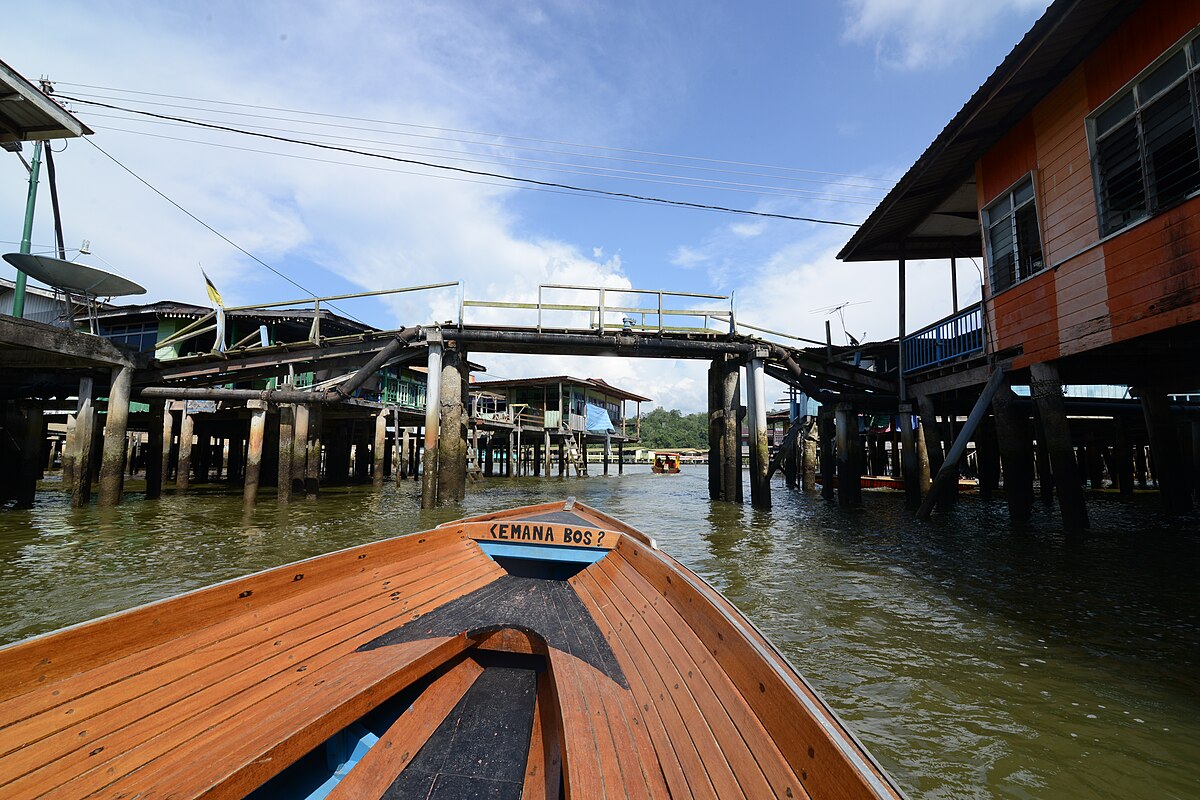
[[953, 337]]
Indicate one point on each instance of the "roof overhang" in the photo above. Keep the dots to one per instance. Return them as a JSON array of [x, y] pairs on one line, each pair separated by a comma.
[[28, 114], [932, 210]]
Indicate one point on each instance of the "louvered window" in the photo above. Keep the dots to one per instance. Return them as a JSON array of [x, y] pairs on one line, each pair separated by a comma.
[[1013, 237], [1144, 145]]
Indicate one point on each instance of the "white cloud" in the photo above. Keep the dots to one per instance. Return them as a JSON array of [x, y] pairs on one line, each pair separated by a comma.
[[687, 257], [748, 230], [918, 34]]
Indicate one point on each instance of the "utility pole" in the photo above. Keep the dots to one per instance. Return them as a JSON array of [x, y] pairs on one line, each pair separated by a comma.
[[18, 309]]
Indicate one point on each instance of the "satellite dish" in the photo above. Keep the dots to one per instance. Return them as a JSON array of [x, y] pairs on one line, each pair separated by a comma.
[[72, 277]]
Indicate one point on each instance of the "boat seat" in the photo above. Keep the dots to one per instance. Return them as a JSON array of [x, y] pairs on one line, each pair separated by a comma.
[[149, 705]]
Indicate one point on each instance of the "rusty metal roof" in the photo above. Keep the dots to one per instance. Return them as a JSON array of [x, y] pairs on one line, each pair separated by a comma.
[[27, 113], [931, 212]]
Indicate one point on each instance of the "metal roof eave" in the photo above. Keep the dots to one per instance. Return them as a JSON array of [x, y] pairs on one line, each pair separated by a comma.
[[1056, 44], [27, 113]]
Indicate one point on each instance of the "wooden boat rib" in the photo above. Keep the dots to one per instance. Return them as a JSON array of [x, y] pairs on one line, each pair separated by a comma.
[[545, 652]]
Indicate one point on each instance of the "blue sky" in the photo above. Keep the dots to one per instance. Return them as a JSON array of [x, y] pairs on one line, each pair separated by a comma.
[[844, 95]]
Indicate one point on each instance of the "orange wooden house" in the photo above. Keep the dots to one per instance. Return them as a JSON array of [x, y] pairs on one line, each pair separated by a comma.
[[1074, 172]]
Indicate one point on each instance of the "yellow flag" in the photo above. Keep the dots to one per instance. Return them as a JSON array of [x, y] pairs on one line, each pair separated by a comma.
[[213, 294]]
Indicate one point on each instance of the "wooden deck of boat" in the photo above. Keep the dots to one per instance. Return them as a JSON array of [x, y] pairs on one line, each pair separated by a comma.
[[632, 679]]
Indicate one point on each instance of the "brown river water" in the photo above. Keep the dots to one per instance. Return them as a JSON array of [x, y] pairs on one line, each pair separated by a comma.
[[974, 660]]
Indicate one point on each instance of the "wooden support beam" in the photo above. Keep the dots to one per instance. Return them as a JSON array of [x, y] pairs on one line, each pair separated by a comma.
[[452, 443], [299, 447], [828, 443], [183, 469], [931, 437], [158, 433], [379, 450], [312, 458], [405, 455], [85, 421], [433, 410], [987, 458], [33, 437], [910, 459], [1045, 386], [1164, 449], [808, 454], [287, 449], [849, 465], [254, 450], [112, 460], [949, 470], [1016, 453]]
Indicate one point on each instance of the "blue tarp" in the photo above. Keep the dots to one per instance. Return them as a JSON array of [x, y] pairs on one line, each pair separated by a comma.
[[598, 421]]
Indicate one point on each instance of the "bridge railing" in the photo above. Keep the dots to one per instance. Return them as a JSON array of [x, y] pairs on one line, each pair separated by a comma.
[[954, 337], [215, 319], [619, 309]]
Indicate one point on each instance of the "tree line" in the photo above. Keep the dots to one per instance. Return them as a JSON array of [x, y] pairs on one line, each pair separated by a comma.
[[662, 429]]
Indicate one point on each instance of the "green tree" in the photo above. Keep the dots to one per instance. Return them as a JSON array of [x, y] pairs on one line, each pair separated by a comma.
[[662, 429]]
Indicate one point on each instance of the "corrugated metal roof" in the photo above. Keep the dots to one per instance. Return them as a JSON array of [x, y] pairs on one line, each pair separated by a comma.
[[931, 212], [27, 113]]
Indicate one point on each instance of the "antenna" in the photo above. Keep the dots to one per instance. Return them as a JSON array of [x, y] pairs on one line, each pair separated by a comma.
[[840, 310]]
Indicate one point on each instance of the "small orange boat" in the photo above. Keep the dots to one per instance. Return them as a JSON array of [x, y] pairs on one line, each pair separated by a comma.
[[666, 463], [549, 651]]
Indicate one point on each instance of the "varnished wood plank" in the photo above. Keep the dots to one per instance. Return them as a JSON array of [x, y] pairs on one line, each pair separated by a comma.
[[24, 666], [663, 745], [825, 769], [655, 694], [372, 775], [543, 770], [705, 732], [128, 749], [77, 699], [754, 758]]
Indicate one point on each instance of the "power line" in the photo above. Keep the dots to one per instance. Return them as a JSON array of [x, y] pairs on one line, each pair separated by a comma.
[[886, 183], [222, 236], [480, 133], [598, 172], [464, 170]]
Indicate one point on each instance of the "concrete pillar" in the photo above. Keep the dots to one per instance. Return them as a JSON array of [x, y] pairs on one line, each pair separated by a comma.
[[1014, 436], [452, 445], [187, 429], [848, 456], [85, 421], [514, 453], [808, 454], [312, 456], [1165, 451], [760, 453], [254, 450], [926, 477], [378, 466], [69, 454], [299, 446], [112, 460], [1045, 386], [546, 454], [607, 452], [287, 449], [910, 459], [433, 412]]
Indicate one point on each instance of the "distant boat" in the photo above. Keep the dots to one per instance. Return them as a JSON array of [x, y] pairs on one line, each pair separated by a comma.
[[549, 651], [666, 463]]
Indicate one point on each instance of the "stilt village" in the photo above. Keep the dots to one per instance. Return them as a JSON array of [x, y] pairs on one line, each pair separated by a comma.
[[1073, 373]]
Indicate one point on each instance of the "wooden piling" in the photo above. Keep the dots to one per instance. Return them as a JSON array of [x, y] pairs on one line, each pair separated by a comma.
[[731, 433], [183, 470], [760, 454], [987, 458], [254, 450], [562, 457], [849, 468], [85, 420], [287, 449], [452, 444], [1164, 450], [433, 389], [157, 435], [827, 432], [1122, 456], [312, 456], [1016, 457], [910, 460], [808, 455], [379, 450], [607, 452], [405, 454], [112, 460], [1045, 386], [621, 458], [69, 453], [33, 437]]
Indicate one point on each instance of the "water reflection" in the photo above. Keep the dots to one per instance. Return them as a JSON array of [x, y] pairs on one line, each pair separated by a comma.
[[974, 659]]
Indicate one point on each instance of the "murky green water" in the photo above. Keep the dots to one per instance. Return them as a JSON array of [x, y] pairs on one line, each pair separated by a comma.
[[973, 660]]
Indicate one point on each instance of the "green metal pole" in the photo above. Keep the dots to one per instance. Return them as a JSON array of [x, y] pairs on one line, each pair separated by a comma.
[[18, 309]]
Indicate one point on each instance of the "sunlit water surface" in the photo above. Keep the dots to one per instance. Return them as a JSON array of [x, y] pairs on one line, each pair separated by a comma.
[[974, 660]]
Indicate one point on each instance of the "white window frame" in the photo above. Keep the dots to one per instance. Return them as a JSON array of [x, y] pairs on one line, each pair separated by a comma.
[[985, 215]]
